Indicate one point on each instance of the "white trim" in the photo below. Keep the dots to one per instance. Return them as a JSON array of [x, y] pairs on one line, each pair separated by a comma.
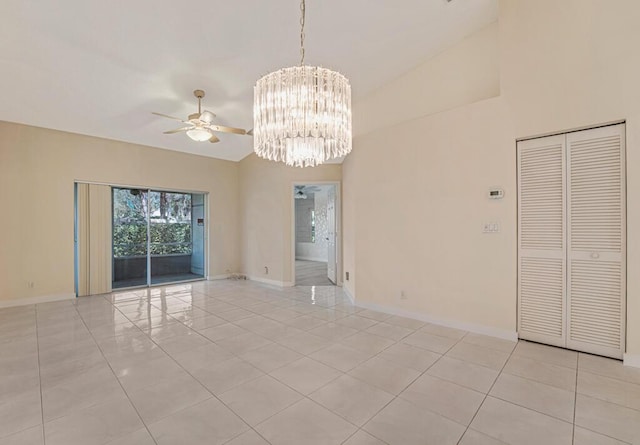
[[471, 327], [218, 277], [36, 300], [349, 295], [271, 282], [632, 360], [142, 187]]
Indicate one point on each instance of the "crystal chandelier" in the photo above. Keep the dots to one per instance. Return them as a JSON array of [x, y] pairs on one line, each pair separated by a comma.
[[302, 114]]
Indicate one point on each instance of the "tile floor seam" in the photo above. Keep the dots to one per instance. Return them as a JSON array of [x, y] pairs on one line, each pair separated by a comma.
[[44, 436], [366, 432], [487, 347], [342, 373], [485, 397], [458, 340], [609, 376], [528, 408], [535, 381], [119, 383], [605, 435], [315, 403], [434, 411], [244, 432], [524, 341], [398, 395], [340, 415], [205, 387], [592, 396], [607, 401]]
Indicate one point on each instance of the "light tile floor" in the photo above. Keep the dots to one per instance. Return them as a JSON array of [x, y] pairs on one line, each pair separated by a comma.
[[240, 363]]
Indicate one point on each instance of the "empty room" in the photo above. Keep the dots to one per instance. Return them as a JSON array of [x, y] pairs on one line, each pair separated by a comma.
[[305, 222]]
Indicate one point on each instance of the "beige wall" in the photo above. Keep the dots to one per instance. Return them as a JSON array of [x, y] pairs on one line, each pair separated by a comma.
[[38, 168], [570, 63], [562, 65], [421, 189], [465, 73], [266, 191]]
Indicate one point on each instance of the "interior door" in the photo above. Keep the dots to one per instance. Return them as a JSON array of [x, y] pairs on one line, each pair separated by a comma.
[[331, 234], [541, 240], [596, 240]]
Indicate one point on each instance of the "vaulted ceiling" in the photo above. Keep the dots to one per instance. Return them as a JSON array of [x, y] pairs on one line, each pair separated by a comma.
[[101, 67]]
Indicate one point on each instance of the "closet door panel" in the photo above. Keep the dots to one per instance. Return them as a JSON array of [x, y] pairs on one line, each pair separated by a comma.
[[541, 240], [596, 241]]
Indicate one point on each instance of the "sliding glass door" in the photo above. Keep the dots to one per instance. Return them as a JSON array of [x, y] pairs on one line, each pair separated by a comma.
[[130, 237], [158, 237]]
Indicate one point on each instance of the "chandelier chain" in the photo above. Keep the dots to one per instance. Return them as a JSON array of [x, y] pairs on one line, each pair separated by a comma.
[[302, 14]]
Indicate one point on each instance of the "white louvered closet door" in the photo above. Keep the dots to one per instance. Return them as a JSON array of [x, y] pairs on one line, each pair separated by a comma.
[[596, 241], [541, 240]]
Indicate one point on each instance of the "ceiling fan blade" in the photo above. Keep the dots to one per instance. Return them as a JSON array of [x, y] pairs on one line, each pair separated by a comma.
[[250, 132], [213, 139], [227, 129], [167, 116], [207, 116], [177, 130]]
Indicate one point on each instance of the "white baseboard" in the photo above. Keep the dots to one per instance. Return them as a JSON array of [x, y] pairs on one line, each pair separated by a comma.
[[632, 360], [36, 300], [271, 282], [471, 327], [218, 277]]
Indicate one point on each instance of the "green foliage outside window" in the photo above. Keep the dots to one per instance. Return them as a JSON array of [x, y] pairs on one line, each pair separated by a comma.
[[169, 223], [131, 239]]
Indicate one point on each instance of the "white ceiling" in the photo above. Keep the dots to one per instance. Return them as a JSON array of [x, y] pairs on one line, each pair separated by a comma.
[[100, 67]]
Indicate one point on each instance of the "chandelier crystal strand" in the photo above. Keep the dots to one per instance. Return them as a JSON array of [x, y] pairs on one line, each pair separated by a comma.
[[302, 114]]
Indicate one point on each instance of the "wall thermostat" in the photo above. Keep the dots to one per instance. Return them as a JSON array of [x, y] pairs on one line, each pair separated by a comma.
[[496, 193]]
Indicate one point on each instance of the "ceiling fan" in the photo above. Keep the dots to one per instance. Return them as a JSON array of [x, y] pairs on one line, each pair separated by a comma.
[[200, 126], [300, 191]]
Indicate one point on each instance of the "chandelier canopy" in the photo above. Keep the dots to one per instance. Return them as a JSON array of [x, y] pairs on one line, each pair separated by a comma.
[[302, 114]]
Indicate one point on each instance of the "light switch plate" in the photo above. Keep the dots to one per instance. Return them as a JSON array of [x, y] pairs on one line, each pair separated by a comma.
[[491, 227]]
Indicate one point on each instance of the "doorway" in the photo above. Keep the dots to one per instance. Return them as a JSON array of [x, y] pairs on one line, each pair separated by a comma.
[[315, 234], [158, 237]]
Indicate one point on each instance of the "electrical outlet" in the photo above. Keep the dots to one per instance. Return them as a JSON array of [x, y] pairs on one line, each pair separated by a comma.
[[31, 284], [346, 276], [403, 295], [266, 270]]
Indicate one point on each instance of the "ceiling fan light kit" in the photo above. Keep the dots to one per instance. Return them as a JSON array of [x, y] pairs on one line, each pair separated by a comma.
[[302, 114], [199, 134]]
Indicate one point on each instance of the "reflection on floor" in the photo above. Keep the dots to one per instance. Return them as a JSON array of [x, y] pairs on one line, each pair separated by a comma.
[[312, 273], [236, 362], [156, 280]]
